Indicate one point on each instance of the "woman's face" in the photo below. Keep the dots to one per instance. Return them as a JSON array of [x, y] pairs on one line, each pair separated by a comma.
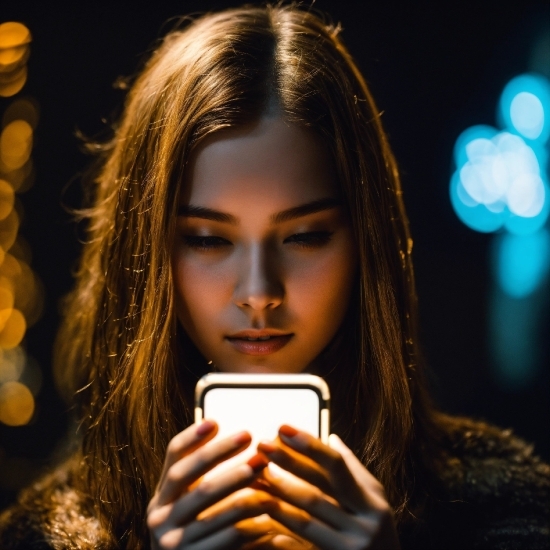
[[264, 259]]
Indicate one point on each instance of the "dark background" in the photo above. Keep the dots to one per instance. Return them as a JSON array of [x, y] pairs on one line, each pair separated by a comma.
[[434, 69]]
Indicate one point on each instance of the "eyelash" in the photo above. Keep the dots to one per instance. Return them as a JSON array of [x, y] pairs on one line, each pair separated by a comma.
[[204, 243], [311, 239]]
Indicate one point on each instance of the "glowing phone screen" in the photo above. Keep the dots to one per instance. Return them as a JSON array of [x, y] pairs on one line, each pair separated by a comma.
[[260, 411]]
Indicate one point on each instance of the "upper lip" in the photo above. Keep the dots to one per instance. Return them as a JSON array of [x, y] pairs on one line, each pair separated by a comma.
[[251, 333]]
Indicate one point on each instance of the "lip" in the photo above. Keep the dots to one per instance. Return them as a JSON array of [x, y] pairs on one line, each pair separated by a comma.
[[277, 340]]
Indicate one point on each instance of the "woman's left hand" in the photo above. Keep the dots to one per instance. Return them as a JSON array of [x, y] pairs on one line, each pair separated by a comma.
[[334, 501]]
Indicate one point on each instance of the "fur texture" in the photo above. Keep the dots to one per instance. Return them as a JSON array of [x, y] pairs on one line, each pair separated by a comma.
[[494, 494]]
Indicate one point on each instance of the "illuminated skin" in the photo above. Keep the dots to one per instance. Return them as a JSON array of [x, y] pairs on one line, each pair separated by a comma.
[[287, 279], [258, 271]]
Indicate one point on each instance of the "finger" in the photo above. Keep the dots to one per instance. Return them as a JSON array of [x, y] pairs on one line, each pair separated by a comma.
[[343, 484], [190, 468], [280, 542], [226, 539], [277, 536], [241, 505], [376, 494], [186, 442], [297, 464], [209, 492], [303, 496], [235, 536], [308, 527]]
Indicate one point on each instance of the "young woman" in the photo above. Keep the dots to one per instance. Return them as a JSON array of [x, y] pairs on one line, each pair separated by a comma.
[[248, 218]]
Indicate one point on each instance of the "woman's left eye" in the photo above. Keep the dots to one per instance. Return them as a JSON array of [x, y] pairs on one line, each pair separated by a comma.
[[310, 239]]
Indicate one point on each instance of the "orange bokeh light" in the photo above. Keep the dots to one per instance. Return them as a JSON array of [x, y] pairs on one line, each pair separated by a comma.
[[6, 304], [25, 109], [7, 199], [15, 144], [12, 364], [21, 179], [14, 330], [13, 34], [13, 82], [8, 230], [21, 293], [14, 53], [16, 404]]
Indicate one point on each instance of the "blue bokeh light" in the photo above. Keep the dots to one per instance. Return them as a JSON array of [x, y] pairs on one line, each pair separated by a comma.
[[524, 107], [476, 216], [500, 183], [522, 262]]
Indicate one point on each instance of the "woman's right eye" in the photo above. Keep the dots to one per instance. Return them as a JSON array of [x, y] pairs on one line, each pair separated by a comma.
[[205, 243]]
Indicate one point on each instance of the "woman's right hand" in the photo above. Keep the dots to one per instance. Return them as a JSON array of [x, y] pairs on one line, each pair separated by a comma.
[[175, 515]]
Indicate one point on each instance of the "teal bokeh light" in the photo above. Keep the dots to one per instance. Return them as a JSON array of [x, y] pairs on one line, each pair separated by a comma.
[[524, 107], [500, 183], [476, 216], [522, 262]]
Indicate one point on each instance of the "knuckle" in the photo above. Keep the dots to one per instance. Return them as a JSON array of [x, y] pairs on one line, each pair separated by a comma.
[[240, 505], [312, 498], [203, 489], [155, 518], [152, 504], [173, 475], [202, 458], [303, 521], [174, 446], [336, 460], [243, 505], [240, 529], [170, 540]]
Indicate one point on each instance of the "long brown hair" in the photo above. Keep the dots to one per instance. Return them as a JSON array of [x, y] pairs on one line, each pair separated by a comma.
[[120, 350]]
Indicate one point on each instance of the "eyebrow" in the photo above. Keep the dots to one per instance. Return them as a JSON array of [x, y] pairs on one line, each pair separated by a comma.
[[203, 213]]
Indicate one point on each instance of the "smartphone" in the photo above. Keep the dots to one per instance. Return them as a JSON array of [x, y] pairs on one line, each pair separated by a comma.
[[259, 404]]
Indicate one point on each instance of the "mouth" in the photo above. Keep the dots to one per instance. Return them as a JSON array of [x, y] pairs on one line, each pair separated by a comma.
[[259, 342]]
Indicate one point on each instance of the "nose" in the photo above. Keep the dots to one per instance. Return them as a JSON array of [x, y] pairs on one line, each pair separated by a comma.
[[259, 285]]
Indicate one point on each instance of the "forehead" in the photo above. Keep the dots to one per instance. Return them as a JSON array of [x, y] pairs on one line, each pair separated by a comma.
[[270, 162]]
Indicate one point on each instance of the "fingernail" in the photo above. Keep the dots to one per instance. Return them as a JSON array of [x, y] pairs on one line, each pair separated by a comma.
[[287, 431], [267, 447], [257, 463], [206, 427], [242, 438]]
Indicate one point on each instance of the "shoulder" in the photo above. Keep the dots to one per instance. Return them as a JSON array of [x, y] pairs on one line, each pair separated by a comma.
[[484, 462], [500, 485], [51, 515]]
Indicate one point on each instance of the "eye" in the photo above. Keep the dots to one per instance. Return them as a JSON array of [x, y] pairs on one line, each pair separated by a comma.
[[311, 239], [205, 243]]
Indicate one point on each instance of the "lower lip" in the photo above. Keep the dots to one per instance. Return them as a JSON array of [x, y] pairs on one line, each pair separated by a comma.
[[260, 347]]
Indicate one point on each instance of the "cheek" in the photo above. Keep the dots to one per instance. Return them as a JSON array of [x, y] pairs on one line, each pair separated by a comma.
[[201, 292], [322, 290]]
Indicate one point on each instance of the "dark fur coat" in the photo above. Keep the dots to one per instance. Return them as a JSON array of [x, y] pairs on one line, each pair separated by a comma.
[[494, 494]]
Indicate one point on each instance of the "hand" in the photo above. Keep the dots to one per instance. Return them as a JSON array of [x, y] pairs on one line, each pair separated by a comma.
[[331, 500], [186, 512]]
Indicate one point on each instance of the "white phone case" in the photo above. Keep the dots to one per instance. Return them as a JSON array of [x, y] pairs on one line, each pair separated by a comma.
[[260, 403]]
